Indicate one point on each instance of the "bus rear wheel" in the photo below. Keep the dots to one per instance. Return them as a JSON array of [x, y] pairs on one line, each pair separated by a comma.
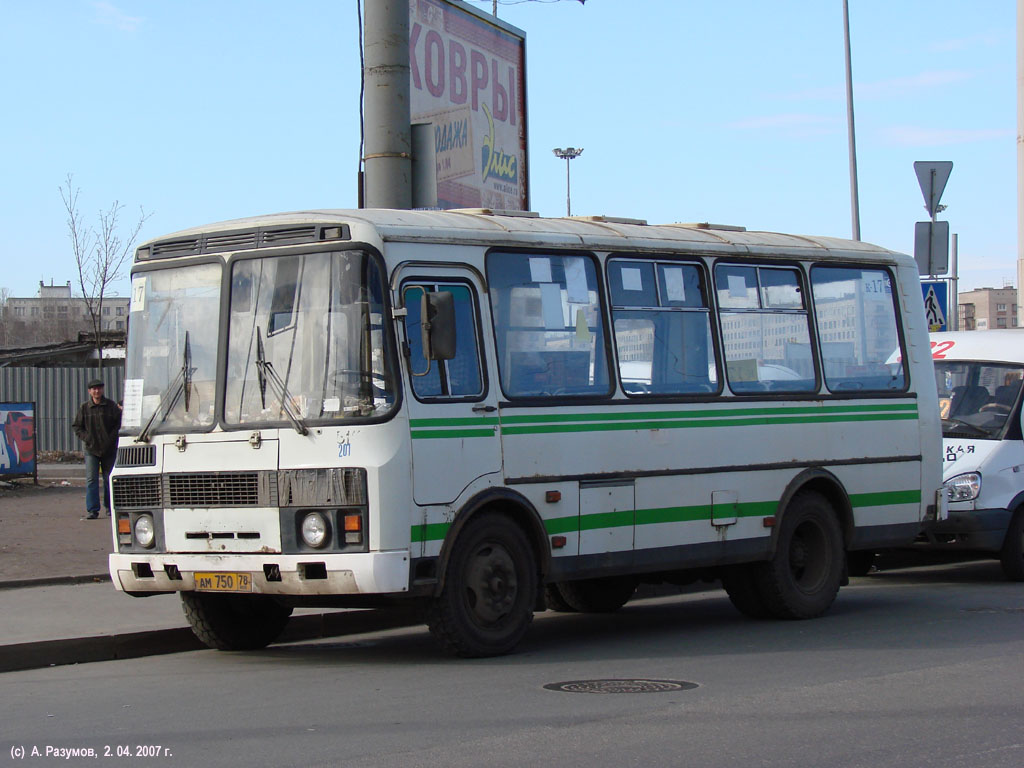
[[598, 595], [554, 600], [1012, 554], [740, 583], [490, 588], [802, 579], [235, 622]]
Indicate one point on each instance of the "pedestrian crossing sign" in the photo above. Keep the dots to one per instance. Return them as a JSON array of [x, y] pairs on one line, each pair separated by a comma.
[[936, 304]]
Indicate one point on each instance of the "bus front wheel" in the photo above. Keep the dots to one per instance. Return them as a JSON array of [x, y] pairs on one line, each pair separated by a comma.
[[234, 622], [490, 588], [803, 577]]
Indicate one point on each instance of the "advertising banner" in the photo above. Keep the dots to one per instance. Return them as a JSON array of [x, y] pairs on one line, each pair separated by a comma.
[[468, 80], [17, 439]]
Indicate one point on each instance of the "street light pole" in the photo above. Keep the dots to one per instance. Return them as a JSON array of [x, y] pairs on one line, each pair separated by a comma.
[[854, 201], [567, 154]]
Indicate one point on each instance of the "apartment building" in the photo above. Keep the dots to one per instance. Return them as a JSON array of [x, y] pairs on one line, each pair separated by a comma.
[[986, 308], [55, 315]]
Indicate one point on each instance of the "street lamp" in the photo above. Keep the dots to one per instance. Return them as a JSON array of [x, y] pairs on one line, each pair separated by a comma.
[[854, 197], [567, 154]]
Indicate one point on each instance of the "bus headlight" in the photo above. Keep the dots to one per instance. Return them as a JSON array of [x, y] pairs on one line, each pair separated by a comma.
[[965, 487], [145, 531], [314, 530]]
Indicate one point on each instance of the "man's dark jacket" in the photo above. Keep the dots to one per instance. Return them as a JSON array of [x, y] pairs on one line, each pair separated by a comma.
[[97, 424]]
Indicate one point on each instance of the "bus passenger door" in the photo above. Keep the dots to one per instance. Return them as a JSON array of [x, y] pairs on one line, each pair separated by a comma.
[[452, 411]]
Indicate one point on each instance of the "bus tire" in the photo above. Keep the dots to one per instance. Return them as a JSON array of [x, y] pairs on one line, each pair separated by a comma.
[[235, 622], [554, 600], [740, 583], [598, 595], [803, 577], [1011, 556], [490, 588]]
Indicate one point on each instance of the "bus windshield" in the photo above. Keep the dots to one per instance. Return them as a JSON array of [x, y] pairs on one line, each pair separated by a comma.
[[306, 340], [172, 349], [975, 399]]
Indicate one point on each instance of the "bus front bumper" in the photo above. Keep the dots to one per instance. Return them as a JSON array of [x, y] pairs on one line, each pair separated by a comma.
[[306, 574]]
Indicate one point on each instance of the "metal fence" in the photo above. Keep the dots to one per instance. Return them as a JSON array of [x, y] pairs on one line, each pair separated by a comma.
[[57, 393]]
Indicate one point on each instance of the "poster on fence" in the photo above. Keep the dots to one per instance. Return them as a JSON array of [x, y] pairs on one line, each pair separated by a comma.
[[17, 439]]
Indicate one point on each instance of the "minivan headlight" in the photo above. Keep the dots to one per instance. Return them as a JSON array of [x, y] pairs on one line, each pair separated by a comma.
[[965, 487]]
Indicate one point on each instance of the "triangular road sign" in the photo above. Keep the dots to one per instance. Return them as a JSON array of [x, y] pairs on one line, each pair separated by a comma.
[[932, 176]]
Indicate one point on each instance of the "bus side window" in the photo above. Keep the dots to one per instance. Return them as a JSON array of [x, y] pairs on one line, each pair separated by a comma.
[[460, 377], [548, 325], [765, 329], [662, 328], [857, 329]]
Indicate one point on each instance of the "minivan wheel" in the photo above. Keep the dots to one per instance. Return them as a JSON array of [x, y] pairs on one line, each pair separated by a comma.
[[1012, 554]]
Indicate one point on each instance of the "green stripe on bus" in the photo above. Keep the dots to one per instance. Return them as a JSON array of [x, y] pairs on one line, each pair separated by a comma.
[[703, 512], [551, 423], [429, 532], [436, 434], [695, 513], [620, 519], [476, 421], [721, 422], [706, 413]]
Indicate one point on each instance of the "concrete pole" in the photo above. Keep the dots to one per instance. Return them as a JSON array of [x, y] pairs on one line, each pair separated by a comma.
[[388, 158]]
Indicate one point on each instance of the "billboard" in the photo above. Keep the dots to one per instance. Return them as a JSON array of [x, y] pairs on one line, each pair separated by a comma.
[[17, 439], [468, 79]]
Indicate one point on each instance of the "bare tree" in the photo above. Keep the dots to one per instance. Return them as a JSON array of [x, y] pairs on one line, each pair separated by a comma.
[[101, 254], [5, 319]]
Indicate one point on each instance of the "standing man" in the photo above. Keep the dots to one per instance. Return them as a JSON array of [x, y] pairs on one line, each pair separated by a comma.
[[96, 425]]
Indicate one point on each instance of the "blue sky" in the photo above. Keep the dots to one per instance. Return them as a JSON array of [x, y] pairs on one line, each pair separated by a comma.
[[731, 112]]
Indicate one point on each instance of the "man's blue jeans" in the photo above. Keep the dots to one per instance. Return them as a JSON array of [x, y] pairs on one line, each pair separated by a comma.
[[94, 466]]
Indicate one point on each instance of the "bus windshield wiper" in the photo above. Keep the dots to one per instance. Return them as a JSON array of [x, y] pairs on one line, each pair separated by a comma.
[[265, 371], [181, 385]]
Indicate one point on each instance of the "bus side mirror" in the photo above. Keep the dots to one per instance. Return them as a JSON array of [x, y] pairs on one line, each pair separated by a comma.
[[438, 312]]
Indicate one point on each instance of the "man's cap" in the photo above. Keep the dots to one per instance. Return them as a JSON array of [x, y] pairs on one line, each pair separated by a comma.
[[95, 383]]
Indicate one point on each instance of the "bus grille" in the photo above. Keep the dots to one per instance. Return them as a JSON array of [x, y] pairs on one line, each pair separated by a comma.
[[136, 456], [136, 491], [220, 489]]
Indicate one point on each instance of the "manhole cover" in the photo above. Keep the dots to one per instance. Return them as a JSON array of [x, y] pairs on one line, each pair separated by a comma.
[[641, 685]]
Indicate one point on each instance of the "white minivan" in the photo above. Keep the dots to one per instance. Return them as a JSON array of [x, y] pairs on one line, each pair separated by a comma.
[[979, 376]]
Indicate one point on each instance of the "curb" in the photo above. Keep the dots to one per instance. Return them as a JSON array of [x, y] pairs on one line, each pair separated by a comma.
[[134, 645], [51, 581]]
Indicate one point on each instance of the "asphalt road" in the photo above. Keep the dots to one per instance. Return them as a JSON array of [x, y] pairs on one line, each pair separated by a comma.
[[911, 668]]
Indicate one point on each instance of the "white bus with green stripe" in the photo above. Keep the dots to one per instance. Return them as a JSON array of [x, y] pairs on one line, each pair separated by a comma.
[[489, 414]]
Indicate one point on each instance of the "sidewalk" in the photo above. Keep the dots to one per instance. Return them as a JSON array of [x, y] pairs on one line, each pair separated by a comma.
[[61, 607]]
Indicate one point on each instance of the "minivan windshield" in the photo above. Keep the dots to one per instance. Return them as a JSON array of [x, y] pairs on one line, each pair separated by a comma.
[[976, 398]]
